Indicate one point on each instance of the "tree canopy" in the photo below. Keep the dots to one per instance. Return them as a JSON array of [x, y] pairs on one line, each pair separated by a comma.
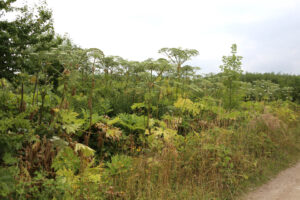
[[31, 32]]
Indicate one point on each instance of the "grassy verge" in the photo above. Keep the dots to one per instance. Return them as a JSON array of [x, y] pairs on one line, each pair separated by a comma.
[[216, 164], [273, 166]]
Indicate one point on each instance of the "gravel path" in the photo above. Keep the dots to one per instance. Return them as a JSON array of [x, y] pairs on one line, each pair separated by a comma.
[[286, 186]]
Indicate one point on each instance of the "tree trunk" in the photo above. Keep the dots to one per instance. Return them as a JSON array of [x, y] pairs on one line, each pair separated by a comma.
[[90, 104], [43, 94], [22, 103], [34, 90]]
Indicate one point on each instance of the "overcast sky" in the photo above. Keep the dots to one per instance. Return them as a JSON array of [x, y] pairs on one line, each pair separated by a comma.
[[267, 32]]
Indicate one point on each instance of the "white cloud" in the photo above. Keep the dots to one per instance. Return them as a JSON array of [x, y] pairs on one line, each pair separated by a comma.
[[136, 29]]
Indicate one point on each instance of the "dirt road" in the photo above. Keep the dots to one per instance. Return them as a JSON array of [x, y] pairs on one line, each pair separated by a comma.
[[286, 186]]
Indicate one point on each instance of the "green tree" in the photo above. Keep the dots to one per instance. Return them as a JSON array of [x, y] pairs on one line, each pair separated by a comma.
[[96, 57], [31, 31], [179, 56], [231, 72]]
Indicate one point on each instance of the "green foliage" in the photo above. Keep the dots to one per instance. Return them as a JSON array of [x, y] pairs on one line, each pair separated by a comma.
[[77, 176], [179, 56], [76, 124], [31, 31], [130, 123], [231, 71], [70, 122], [66, 159], [85, 150], [186, 105], [283, 80], [160, 136], [120, 164], [7, 179]]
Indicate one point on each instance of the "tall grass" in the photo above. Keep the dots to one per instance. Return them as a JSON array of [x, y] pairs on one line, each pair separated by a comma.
[[219, 163]]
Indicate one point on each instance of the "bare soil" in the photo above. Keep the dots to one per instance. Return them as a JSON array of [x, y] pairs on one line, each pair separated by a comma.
[[285, 186]]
